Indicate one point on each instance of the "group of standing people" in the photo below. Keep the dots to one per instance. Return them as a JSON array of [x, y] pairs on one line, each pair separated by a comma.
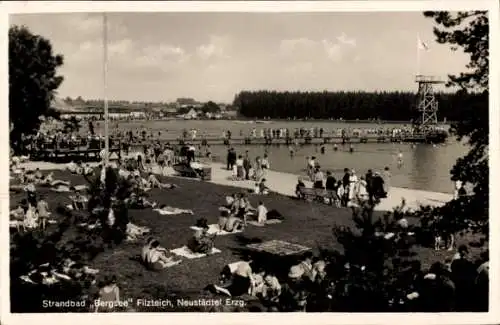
[[244, 168], [351, 190]]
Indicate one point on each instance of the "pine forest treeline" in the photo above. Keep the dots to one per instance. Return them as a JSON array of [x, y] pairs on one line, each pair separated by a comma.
[[387, 106]]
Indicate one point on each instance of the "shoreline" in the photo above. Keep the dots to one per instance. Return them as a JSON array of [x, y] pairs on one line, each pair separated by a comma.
[[284, 184]]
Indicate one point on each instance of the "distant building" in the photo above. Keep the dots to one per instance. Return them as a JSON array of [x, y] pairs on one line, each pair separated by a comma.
[[192, 114], [138, 115], [170, 110]]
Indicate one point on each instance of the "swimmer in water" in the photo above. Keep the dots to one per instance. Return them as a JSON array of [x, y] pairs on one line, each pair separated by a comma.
[[400, 159]]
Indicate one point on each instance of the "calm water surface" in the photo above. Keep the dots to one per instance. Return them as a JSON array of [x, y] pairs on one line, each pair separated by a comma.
[[425, 167]]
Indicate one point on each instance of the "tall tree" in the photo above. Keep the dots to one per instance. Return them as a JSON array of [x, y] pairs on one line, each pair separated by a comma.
[[33, 80], [469, 31]]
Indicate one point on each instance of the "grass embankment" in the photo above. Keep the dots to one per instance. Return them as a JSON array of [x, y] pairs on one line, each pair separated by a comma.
[[307, 223]]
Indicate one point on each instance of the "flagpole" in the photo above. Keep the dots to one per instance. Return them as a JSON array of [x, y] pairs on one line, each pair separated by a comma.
[[418, 54], [105, 84]]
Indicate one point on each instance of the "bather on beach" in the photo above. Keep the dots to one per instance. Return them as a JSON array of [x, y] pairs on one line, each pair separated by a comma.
[[139, 202], [263, 189], [156, 257], [229, 222], [172, 210], [299, 188], [78, 201], [202, 242], [153, 182], [134, 232]]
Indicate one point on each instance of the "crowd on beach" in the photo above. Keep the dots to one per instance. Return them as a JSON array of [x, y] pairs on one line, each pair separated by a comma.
[[314, 283]]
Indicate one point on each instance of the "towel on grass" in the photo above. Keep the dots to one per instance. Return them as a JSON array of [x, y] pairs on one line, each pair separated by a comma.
[[268, 222], [169, 211], [187, 253], [61, 189], [80, 187], [214, 229]]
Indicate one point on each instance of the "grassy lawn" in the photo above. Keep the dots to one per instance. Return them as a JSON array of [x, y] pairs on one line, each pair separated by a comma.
[[306, 223]]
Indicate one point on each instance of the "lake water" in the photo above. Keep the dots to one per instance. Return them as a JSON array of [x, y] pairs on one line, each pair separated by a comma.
[[425, 167]]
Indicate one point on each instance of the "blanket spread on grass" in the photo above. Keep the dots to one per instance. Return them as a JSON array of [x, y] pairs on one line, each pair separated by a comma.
[[214, 229], [187, 253], [279, 247]]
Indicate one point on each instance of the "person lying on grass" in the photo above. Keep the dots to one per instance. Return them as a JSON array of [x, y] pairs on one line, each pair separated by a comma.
[[156, 257], [134, 232], [139, 202], [57, 184], [172, 210], [141, 183], [202, 242], [153, 182]]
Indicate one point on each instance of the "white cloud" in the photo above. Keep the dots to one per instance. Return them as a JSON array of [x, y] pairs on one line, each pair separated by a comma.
[[343, 39], [217, 47], [303, 48], [332, 50]]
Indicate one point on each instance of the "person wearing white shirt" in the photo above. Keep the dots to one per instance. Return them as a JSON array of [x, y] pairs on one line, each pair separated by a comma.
[[265, 162], [458, 185], [239, 168], [261, 213]]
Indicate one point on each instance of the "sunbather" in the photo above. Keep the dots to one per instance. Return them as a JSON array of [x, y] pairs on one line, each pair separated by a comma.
[[202, 242], [134, 231], [38, 175], [229, 222], [172, 210], [78, 201], [263, 189], [54, 183], [156, 257], [153, 182], [109, 295], [31, 217], [139, 202]]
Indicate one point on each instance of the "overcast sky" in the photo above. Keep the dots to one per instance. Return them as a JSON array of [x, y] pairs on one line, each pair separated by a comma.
[[163, 56]]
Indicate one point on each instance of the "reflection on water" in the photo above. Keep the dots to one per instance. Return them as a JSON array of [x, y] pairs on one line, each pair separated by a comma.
[[425, 167]]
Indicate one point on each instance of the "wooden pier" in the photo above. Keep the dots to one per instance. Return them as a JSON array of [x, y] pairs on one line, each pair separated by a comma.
[[304, 141]]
